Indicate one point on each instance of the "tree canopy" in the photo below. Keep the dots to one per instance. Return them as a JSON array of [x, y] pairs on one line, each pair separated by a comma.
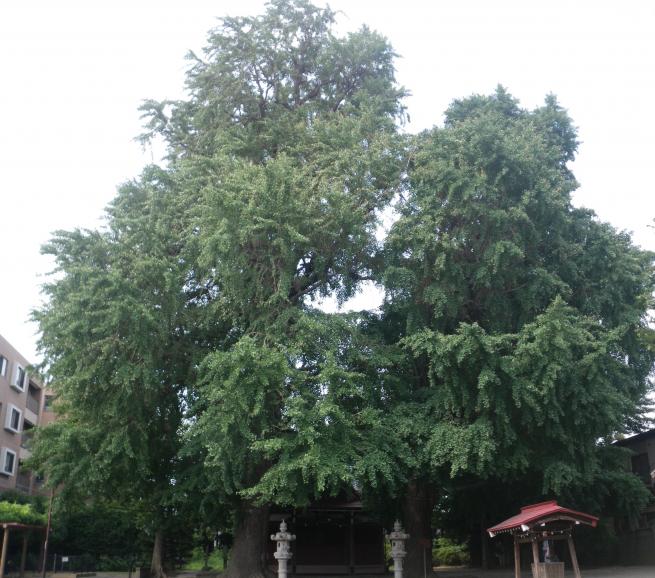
[[186, 326], [523, 316], [196, 377], [505, 288]]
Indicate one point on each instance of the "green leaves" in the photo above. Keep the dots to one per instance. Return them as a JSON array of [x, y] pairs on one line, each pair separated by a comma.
[[195, 377], [265, 80], [181, 338], [20, 514], [522, 319], [117, 346], [290, 422]]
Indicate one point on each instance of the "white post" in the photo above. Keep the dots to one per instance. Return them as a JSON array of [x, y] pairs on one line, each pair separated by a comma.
[[283, 552], [398, 552]]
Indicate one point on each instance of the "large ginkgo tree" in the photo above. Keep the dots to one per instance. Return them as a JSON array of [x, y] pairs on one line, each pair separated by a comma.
[[524, 319]]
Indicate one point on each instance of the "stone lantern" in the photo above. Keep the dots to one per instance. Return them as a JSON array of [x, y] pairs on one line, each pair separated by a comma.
[[283, 551], [398, 538]]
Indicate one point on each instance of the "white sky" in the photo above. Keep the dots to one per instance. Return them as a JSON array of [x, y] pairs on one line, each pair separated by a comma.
[[74, 73]]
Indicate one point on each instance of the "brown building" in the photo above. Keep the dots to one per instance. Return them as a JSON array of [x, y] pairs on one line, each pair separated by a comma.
[[333, 536], [637, 536], [23, 405]]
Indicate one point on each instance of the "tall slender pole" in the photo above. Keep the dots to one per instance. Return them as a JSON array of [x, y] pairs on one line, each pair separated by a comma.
[[3, 557], [47, 533], [351, 542], [23, 554], [517, 558], [425, 563], [574, 558], [535, 556]]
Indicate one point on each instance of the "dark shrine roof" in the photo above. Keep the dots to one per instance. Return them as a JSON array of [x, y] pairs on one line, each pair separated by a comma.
[[339, 502], [644, 435], [540, 513]]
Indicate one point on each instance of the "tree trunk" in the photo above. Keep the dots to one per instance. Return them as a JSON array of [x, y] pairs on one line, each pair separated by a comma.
[[248, 554], [417, 514], [157, 566]]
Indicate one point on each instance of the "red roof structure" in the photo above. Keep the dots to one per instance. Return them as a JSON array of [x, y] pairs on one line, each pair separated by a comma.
[[541, 513], [539, 523]]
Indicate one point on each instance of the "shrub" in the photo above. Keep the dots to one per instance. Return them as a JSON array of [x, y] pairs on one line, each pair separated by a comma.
[[22, 513], [446, 552]]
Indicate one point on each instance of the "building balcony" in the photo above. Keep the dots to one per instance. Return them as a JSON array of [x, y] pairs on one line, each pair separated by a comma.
[[33, 404], [23, 481]]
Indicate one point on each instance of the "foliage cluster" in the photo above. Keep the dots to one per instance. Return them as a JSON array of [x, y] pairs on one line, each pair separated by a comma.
[[21, 513], [198, 380], [446, 552], [198, 561], [102, 530]]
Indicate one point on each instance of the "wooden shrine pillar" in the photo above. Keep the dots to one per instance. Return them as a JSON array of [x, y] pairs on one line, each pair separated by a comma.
[[535, 553], [3, 556], [517, 557], [574, 558], [23, 554]]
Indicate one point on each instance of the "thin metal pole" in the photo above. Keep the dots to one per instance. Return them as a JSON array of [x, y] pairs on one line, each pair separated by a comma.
[[425, 564], [47, 533]]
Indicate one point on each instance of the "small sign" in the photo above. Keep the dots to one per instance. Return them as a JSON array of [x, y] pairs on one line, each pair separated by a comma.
[[64, 558]]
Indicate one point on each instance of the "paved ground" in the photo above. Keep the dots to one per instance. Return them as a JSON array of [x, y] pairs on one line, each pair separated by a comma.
[[609, 572]]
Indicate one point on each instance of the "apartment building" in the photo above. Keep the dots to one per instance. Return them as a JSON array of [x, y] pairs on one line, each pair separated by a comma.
[[23, 405]]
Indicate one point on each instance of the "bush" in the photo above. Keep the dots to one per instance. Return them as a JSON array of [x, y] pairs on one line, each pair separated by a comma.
[[197, 560], [449, 553], [114, 563], [38, 503], [22, 513]]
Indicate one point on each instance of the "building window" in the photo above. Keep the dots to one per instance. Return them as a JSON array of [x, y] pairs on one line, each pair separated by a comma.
[[27, 435], [3, 366], [7, 462], [18, 382], [49, 400], [12, 421]]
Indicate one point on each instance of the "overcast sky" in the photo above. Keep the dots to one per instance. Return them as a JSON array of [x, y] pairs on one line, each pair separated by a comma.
[[75, 72]]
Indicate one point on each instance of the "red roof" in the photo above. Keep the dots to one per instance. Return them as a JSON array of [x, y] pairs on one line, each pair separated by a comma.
[[535, 514]]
